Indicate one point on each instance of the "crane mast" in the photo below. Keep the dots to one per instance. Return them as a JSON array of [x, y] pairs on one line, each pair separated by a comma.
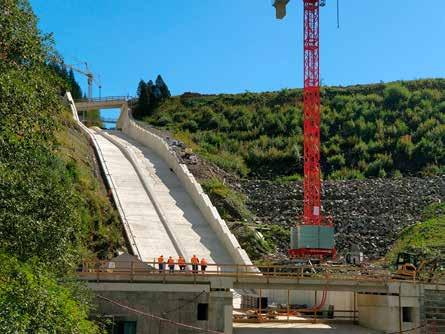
[[314, 236], [311, 120]]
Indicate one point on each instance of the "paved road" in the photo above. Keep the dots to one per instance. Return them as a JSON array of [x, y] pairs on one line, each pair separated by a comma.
[[194, 234]]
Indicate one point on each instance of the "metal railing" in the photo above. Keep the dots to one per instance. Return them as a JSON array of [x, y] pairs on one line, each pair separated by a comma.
[[133, 269], [104, 99]]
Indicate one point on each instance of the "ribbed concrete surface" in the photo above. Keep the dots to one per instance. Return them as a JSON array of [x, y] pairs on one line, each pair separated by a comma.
[[149, 233], [190, 229]]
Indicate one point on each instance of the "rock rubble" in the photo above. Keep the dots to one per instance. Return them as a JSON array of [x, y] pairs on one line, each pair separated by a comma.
[[369, 213]]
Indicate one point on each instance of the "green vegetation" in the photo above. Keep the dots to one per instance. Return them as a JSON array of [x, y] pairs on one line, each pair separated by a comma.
[[52, 209], [425, 237], [232, 208], [150, 95], [92, 118], [32, 301], [375, 130]]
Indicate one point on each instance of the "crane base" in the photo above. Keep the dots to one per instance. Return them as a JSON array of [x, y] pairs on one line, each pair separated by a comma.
[[319, 253]]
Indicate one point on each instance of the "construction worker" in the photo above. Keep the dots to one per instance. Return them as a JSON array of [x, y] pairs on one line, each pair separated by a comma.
[[203, 265], [171, 264], [181, 263], [195, 263], [161, 263]]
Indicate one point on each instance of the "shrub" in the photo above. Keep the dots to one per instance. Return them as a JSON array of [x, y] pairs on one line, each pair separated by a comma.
[[395, 95], [33, 301]]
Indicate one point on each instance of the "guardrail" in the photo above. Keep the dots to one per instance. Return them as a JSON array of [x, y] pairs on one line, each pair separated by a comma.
[[104, 99], [106, 269]]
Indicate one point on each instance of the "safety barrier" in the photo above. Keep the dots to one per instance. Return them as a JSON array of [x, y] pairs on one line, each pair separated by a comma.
[[326, 273], [104, 99]]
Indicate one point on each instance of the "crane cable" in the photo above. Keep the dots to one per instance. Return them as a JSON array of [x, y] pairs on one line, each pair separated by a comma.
[[171, 322]]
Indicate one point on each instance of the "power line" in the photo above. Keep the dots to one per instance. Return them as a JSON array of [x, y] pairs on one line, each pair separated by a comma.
[[161, 320], [186, 303]]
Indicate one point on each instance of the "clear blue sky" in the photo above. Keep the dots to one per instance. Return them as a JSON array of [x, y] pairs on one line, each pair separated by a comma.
[[215, 46]]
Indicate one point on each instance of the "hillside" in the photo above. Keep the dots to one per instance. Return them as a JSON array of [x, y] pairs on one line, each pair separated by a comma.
[[383, 157], [53, 209], [367, 131]]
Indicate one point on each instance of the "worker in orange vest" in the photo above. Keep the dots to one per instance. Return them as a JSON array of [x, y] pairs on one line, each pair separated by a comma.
[[161, 263], [203, 265], [195, 263], [171, 264], [181, 263]]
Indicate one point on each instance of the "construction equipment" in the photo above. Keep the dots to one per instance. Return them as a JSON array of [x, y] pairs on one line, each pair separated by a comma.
[[314, 236], [90, 78], [406, 265], [416, 266]]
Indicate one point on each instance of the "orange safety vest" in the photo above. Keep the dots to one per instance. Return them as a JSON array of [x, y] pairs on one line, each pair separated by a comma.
[[203, 262], [181, 261], [195, 260], [171, 261], [160, 259]]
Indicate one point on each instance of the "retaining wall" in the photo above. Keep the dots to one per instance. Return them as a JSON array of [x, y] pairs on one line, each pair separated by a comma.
[[128, 126]]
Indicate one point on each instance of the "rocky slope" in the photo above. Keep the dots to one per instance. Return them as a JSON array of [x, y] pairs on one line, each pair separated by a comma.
[[368, 213]]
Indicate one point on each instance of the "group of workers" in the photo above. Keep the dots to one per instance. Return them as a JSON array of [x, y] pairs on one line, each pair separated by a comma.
[[182, 264]]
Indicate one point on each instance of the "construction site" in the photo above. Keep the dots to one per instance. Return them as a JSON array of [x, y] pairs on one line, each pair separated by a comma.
[[164, 210], [192, 256]]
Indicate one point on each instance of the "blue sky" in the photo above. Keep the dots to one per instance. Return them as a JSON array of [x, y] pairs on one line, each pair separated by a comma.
[[216, 46]]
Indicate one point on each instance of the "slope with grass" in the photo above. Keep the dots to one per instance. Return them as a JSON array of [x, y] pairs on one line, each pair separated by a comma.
[[249, 149], [53, 209], [367, 131]]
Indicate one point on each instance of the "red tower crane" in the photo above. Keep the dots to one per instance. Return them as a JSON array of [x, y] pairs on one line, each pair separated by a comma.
[[314, 236]]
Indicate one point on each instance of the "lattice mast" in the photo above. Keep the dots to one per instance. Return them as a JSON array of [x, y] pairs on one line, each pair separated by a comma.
[[314, 236], [311, 121]]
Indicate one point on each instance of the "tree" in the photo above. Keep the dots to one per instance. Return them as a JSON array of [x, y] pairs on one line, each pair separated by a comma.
[[32, 301], [165, 92], [143, 101], [76, 92]]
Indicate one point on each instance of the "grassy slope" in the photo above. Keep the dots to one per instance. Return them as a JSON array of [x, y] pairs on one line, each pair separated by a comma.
[[104, 231], [367, 131], [427, 236]]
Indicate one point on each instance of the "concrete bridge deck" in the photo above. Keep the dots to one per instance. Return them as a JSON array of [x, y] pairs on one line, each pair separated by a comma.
[[101, 103], [242, 277]]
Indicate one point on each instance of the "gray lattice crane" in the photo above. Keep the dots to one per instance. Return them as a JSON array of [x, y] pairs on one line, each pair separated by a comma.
[[91, 78]]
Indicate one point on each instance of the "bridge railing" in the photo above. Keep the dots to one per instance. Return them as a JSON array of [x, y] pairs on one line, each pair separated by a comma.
[[134, 269], [104, 99]]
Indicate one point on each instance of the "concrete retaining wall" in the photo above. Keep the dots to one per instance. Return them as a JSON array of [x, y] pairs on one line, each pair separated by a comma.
[[177, 303], [193, 188]]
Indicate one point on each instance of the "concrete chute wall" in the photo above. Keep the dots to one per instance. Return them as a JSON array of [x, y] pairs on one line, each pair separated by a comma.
[[193, 188], [108, 179]]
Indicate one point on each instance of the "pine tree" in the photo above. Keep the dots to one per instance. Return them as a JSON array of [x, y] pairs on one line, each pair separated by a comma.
[[143, 100], [165, 92], [76, 91]]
